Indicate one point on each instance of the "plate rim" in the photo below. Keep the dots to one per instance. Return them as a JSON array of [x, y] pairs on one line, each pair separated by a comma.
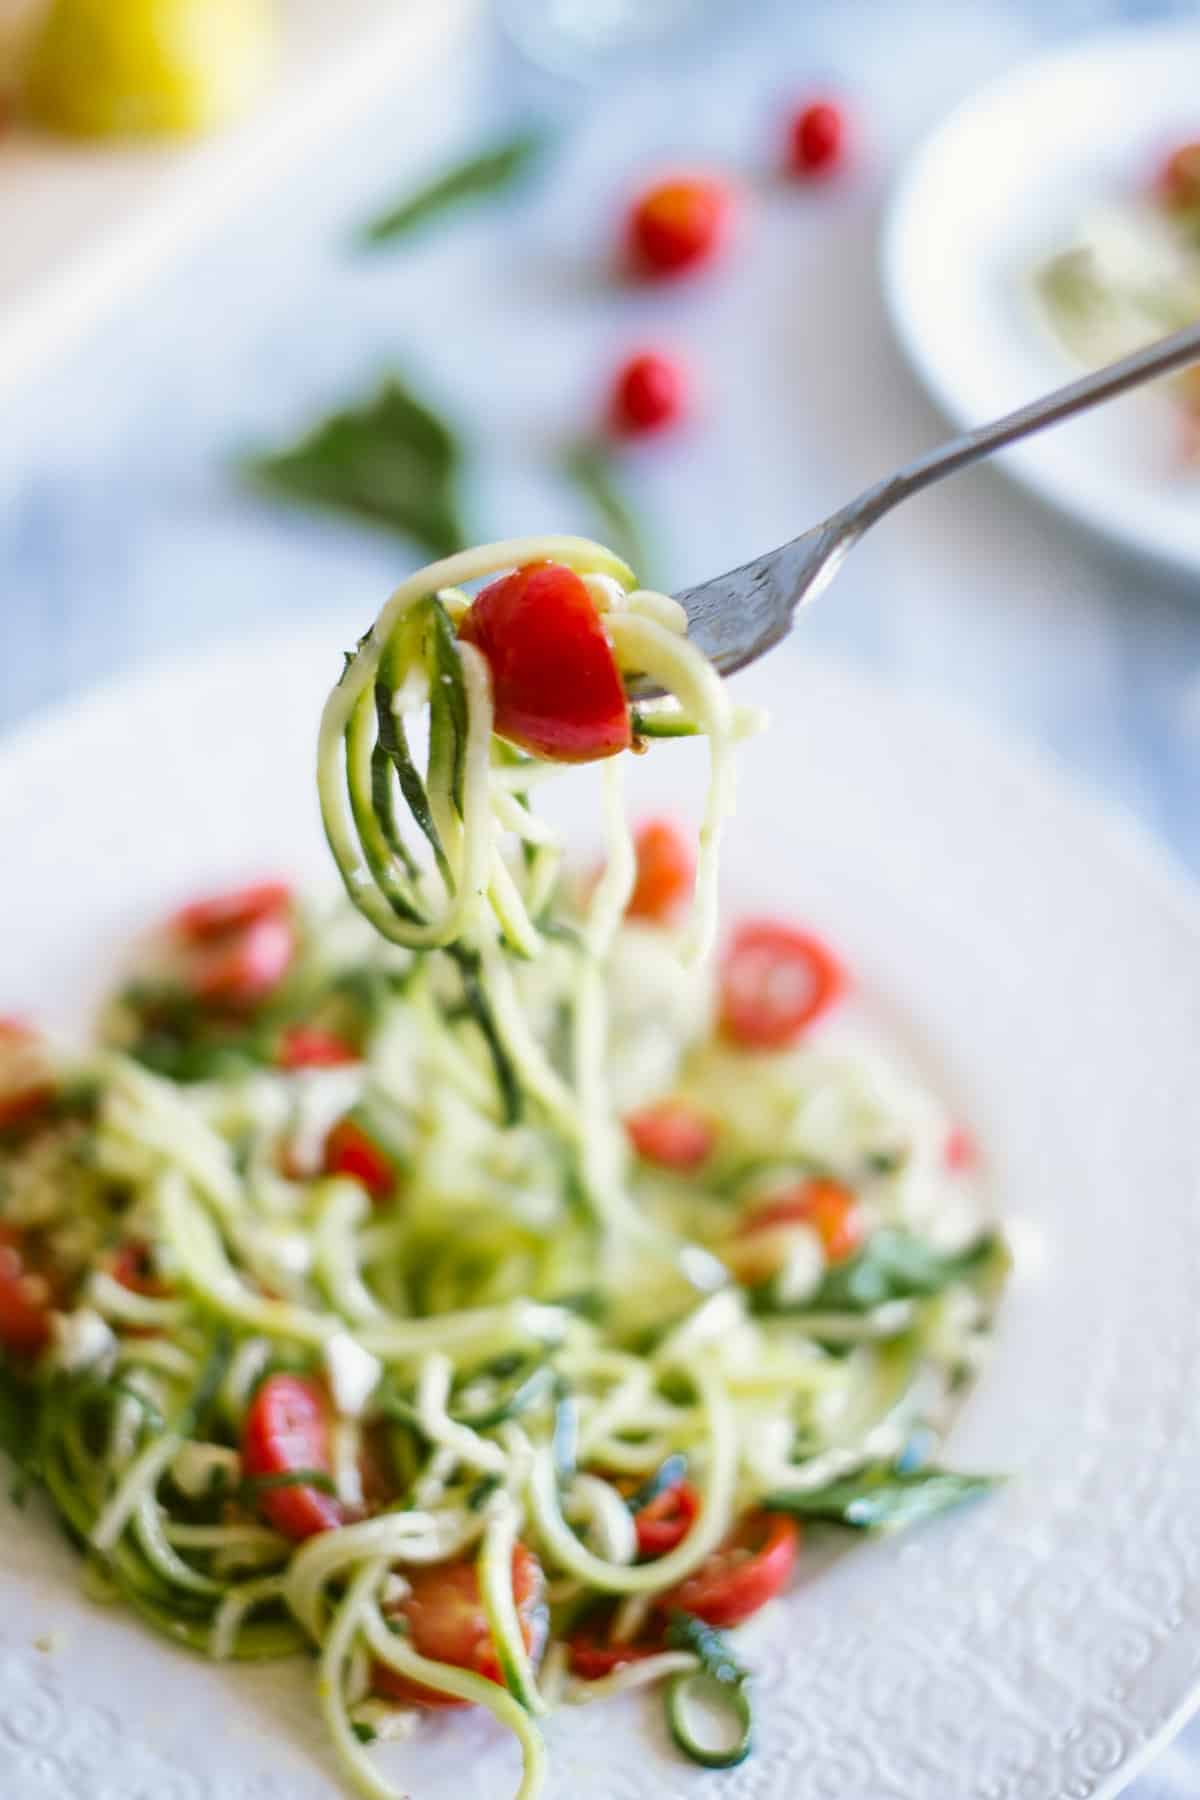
[[904, 313]]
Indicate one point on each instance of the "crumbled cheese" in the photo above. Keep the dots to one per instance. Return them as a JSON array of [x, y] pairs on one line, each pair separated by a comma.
[[199, 1468], [394, 1590], [353, 1374], [388, 1723], [82, 1340], [805, 1264]]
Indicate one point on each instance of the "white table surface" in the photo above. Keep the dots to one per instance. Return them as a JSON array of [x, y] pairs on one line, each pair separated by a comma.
[[122, 535]]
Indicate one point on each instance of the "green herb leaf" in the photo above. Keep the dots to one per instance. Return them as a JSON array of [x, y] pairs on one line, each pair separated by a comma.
[[364, 1733], [883, 1497], [19, 1407], [492, 171], [895, 1266], [592, 468], [686, 1632], [668, 1474], [389, 460], [254, 1485]]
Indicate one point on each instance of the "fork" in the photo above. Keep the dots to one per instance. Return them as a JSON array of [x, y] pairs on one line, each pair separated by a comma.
[[734, 618]]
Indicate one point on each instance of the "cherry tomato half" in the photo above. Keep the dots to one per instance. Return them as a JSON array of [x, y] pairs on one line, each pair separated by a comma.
[[447, 1623], [26, 1078], [239, 968], [591, 1655], [350, 1151], [212, 917], [556, 687], [667, 1519], [308, 1047], [666, 871], [748, 1570], [26, 1299], [775, 981], [649, 394], [672, 1134], [678, 225], [287, 1428], [830, 1209]]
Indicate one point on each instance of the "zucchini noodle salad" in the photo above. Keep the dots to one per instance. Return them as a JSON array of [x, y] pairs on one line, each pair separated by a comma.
[[485, 1288]]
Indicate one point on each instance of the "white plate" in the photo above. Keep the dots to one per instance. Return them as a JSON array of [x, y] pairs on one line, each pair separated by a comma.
[[1003, 183], [1033, 1648], [83, 224]]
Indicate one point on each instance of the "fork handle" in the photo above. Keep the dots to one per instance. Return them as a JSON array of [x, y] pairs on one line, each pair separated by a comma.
[[1158, 358]]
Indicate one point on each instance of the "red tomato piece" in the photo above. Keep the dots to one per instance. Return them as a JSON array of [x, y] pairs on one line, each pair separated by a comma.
[[287, 1429], [26, 1300], [748, 1570], [666, 871], [350, 1151], [1178, 183], [592, 1656], [203, 920], [649, 393], [960, 1150], [667, 1519], [308, 1047], [447, 1623], [817, 139], [830, 1209], [672, 1134], [678, 225], [775, 982], [241, 967], [556, 687], [133, 1268], [26, 1079]]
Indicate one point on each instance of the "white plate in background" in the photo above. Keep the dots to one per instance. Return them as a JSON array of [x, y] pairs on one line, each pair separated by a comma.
[[1038, 1645], [84, 223], [1003, 183]]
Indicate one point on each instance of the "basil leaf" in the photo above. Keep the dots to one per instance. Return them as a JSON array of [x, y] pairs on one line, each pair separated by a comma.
[[592, 468], [19, 1409], [883, 1497], [716, 1659], [389, 460], [491, 171], [895, 1266]]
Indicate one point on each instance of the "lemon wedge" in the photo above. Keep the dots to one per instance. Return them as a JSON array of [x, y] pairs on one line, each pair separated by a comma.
[[122, 68]]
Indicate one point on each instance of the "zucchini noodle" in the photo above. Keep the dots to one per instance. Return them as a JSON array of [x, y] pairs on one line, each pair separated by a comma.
[[386, 1318]]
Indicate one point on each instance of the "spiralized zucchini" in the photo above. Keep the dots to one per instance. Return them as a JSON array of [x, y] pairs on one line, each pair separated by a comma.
[[524, 1335]]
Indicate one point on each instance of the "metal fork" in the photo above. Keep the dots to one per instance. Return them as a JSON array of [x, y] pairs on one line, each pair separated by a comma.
[[735, 617]]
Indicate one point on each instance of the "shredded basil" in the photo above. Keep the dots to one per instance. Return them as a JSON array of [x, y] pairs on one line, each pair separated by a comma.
[[490, 172], [883, 1497]]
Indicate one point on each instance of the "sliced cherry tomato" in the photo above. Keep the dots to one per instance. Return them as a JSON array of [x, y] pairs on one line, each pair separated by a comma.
[[213, 917], [286, 1429], [241, 967], [133, 1267], [830, 1209], [679, 224], [666, 871], [26, 1299], [817, 139], [592, 1656], [447, 1623], [667, 1519], [1178, 182], [960, 1151], [649, 393], [556, 687], [308, 1047], [748, 1570], [350, 1151], [672, 1134], [26, 1079], [774, 982]]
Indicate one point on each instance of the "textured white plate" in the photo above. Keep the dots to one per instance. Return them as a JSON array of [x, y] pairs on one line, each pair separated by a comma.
[[1003, 183], [84, 224], [1031, 1649]]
